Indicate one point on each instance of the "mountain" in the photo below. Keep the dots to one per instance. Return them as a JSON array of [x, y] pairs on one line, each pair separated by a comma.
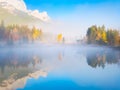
[[16, 12]]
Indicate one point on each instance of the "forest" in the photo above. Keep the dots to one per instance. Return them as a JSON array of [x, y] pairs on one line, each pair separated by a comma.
[[102, 36], [13, 34], [19, 34]]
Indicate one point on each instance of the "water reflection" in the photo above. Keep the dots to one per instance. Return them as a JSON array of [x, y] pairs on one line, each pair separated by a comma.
[[100, 58], [14, 61], [16, 67]]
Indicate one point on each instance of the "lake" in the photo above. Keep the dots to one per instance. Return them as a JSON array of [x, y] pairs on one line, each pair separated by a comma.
[[59, 67]]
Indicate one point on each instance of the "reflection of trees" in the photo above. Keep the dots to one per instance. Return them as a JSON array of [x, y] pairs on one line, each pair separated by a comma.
[[17, 62], [100, 58], [36, 60]]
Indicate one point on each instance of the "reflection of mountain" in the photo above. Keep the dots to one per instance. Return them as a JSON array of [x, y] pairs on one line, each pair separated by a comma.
[[100, 58], [12, 84], [15, 65]]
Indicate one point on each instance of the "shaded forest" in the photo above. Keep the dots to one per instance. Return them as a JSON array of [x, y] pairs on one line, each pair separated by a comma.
[[102, 36]]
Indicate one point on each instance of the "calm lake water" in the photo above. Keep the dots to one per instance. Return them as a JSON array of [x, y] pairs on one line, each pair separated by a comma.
[[59, 67]]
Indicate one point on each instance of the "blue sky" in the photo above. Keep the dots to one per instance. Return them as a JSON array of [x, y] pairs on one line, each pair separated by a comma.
[[55, 8], [80, 14]]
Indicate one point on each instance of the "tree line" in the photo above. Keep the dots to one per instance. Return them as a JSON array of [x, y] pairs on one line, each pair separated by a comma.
[[12, 34], [102, 36]]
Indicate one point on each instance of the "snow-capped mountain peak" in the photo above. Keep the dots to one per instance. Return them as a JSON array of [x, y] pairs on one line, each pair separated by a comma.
[[17, 4], [20, 5]]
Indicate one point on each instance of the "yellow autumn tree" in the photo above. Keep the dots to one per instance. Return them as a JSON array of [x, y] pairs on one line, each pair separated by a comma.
[[59, 37], [104, 36], [35, 33]]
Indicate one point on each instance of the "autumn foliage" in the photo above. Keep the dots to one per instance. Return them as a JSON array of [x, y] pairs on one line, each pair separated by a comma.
[[59, 37], [103, 36], [13, 34]]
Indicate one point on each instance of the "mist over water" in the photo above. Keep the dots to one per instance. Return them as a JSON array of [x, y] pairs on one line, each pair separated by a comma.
[[39, 66], [59, 45]]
